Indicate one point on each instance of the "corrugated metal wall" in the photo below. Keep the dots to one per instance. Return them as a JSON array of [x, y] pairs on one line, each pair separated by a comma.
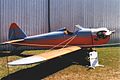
[[32, 15], [87, 13]]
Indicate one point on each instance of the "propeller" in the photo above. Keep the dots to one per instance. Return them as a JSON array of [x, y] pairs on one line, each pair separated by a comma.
[[109, 32]]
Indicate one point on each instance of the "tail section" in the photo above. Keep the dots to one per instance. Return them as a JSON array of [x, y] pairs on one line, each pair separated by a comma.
[[15, 32]]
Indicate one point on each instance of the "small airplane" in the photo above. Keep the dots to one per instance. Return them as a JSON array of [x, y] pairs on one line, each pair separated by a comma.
[[60, 42]]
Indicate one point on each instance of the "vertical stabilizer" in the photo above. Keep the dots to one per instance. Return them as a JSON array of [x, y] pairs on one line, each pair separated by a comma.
[[15, 32]]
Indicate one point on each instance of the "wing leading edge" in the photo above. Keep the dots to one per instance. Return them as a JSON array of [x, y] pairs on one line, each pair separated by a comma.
[[44, 56]]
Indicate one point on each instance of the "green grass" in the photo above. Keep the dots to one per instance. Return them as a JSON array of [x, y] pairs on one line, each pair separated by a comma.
[[110, 57]]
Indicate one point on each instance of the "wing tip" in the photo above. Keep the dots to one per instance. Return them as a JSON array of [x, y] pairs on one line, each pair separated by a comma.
[[27, 61]]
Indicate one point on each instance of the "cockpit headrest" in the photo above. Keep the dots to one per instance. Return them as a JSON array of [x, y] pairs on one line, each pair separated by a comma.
[[62, 29]]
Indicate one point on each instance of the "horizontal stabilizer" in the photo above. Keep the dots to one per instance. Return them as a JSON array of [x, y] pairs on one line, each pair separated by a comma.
[[44, 56], [12, 41]]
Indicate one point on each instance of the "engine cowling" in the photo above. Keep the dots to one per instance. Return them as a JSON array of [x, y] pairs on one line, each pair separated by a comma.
[[101, 34]]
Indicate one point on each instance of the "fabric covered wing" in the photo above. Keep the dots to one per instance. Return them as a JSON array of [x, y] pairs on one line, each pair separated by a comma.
[[44, 56]]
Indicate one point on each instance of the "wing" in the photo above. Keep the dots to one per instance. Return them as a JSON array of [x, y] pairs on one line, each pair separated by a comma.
[[101, 45], [44, 56]]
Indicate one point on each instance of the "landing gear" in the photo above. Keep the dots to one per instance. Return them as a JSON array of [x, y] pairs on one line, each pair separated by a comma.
[[92, 58]]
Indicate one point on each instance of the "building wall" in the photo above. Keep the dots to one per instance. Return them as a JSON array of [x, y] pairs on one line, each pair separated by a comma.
[[32, 15], [87, 13]]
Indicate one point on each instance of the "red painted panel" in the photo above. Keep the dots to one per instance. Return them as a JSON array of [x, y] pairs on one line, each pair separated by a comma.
[[75, 41], [100, 41], [55, 42]]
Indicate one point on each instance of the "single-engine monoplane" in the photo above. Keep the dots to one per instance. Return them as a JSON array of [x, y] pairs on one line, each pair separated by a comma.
[[60, 42]]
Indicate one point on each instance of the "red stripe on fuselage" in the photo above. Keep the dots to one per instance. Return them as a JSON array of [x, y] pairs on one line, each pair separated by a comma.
[[100, 41], [76, 41]]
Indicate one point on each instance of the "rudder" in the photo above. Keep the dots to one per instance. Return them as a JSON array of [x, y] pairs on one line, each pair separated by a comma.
[[15, 32]]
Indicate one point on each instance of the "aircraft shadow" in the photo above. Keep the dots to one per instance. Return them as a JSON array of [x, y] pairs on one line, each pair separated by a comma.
[[13, 54], [47, 68], [8, 54]]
